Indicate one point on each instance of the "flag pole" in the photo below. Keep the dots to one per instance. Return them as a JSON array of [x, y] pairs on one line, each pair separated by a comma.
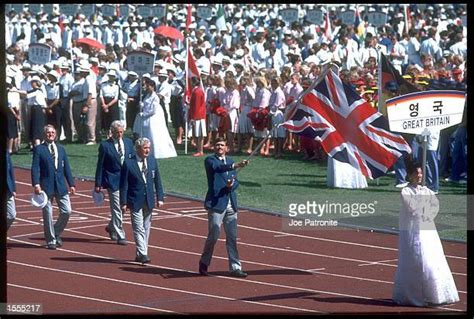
[[296, 101], [379, 84], [185, 107]]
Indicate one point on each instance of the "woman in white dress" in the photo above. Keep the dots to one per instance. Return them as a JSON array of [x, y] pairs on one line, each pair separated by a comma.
[[423, 277], [150, 123], [344, 175]]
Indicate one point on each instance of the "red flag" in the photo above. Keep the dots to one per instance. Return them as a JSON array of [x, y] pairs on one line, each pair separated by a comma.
[[117, 10], [327, 27], [188, 18], [61, 23], [348, 127], [191, 72]]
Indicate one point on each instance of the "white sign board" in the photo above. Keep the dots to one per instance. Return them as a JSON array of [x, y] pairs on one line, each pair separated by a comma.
[[204, 12], [158, 11], [108, 10], [34, 7], [289, 14], [377, 18], [124, 10], [48, 8], [347, 17], [144, 11], [141, 62], [412, 113], [39, 53], [315, 16], [17, 7], [68, 9], [88, 9]]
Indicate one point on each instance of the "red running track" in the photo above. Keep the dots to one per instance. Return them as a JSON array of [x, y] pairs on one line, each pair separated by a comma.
[[338, 271]]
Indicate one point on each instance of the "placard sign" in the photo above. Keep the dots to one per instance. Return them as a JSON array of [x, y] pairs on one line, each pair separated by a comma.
[[48, 8], [108, 10], [34, 7], [204, 12], [289, 14], [412, 113], [158, 11], [315, 16], [88, 9], [17, 7], [68, 9], [377, 18], [39, 53], [144, 11], [141, 62], [347, 17], [124, 10]]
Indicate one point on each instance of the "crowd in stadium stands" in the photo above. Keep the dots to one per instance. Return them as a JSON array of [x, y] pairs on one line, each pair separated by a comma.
[[253, 64]]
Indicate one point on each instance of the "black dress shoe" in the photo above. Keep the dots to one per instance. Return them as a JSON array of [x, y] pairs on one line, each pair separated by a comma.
[[122, 242], [59, 242], [51, 246], [238, 273], [144, 259], [203, 269], [112, 234]]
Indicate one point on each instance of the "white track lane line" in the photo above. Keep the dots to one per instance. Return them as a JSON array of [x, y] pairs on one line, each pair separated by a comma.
[[115, 280], [283, 233], [314, 271], [221, 277], [69, 295], [257, 246]]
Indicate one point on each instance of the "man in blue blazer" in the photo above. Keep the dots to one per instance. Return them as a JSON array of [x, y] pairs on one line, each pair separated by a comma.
[[49, 172], [221, 205], [112, 154], [11, 192], [139, 182]]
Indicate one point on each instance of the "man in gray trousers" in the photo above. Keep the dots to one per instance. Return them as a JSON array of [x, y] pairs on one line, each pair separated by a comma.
[[112, 154], [49, 172]]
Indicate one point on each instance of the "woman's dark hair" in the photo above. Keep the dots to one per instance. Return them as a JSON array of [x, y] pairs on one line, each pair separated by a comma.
[[410, 164]]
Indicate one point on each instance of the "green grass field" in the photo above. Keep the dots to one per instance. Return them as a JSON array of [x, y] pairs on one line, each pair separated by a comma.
[[270, 185]]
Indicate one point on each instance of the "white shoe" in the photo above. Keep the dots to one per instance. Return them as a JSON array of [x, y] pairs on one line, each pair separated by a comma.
[[90, 143], [401, 185]]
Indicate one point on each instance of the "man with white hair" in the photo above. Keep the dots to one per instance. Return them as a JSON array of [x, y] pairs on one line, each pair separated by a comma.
[[140, 182], [112, 154]]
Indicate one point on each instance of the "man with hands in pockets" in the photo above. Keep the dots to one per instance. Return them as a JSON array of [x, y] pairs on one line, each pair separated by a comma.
[[139, 181]]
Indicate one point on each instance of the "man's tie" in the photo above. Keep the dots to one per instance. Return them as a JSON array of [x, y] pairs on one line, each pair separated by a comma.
[[120, 148], [53, 154], [144, 169]]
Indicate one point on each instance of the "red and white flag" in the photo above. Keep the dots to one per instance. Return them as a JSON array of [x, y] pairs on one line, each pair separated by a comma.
[[191, 71], [348, 127], [327, 27]]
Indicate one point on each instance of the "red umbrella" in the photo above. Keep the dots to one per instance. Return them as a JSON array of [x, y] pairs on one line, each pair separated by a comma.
[[169, 32], [90, 42]]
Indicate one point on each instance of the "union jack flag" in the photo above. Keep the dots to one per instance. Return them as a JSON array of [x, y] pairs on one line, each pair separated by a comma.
[[348, 127]]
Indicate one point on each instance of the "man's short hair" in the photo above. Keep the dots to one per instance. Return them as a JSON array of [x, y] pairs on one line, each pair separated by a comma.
[[220, 139], [139, 143], [47, 127], [115, 125]]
